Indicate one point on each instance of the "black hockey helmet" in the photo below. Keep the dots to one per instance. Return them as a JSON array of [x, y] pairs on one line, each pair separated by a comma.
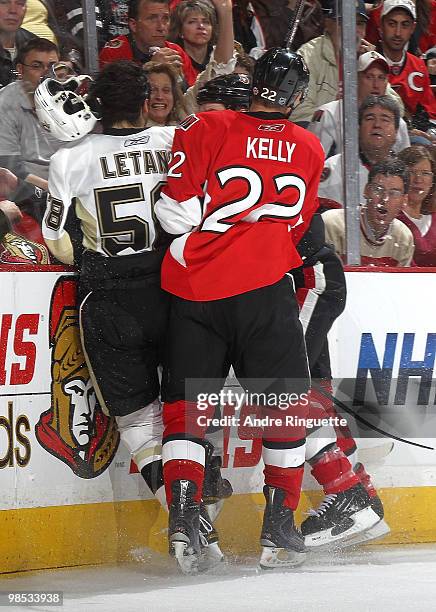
[[279, 76], [232, 90]]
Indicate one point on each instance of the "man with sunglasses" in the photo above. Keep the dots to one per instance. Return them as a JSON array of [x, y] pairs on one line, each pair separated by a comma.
[[384, 240]]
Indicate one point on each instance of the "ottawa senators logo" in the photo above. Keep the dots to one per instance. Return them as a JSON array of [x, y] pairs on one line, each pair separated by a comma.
[[74, 429], [15, 249]]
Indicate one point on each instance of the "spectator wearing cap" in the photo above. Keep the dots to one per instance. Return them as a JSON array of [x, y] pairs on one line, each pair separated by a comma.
[[384, 240], [372, 79], [408, 74], [379, 120], [148, 22], [12, 37], [322, 58], [424, 36]]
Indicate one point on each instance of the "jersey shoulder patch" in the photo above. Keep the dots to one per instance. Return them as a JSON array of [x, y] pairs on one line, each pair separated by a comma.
[[187, 123]]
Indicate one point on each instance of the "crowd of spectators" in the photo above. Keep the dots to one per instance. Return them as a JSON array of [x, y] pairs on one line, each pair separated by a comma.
[[184, 44]]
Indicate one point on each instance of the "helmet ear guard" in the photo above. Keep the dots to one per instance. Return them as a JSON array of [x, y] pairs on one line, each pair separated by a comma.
[[62, 110]]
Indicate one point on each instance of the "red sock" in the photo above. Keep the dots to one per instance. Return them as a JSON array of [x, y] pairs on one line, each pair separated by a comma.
[[334, 472], [365, 479], [287, 479], [182, 469]]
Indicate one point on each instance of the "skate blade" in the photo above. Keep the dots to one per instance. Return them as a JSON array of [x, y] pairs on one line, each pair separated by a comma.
[[275, 558], [323, 540], [185, 556], [380, 530]]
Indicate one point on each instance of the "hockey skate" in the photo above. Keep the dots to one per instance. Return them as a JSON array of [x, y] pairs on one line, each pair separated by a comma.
[[283, 545], [339, 517], [380, 529], [215, 488], [184, 526], [211, 554]]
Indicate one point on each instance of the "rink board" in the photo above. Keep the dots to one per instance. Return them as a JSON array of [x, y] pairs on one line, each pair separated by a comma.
[[69, 494]]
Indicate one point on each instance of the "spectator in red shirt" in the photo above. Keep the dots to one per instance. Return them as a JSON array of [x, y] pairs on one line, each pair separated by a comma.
[[408, 73], [424, 36], [149, 22]]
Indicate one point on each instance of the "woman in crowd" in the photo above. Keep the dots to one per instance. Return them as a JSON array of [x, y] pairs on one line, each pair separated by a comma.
[[165, 105], [194, 28], [418, 214]]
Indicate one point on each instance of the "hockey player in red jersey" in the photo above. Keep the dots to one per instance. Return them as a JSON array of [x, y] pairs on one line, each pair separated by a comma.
[[242, 189], [321, 292]]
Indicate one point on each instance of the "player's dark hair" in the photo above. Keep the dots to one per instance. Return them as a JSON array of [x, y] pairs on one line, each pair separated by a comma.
[[385, 102], [35, 44], [391, 167], [120, 91], [135, 4]]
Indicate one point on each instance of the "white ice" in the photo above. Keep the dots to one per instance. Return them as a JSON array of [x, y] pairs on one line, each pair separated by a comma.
[[376, 579]]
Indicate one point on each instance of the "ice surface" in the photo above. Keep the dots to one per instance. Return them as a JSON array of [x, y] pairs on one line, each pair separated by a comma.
[[376, 579]]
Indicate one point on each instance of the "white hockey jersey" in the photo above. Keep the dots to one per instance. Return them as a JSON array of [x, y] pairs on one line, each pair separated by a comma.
[[114, 182]]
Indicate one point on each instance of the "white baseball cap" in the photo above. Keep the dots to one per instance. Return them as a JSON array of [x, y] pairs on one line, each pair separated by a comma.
[[407, 5], [369, 58]]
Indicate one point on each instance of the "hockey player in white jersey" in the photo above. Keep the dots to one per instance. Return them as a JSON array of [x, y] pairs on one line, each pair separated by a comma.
[[110, 182]]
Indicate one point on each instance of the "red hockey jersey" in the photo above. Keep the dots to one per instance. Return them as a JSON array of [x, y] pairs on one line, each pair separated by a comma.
[[241, 190], [412, 83]]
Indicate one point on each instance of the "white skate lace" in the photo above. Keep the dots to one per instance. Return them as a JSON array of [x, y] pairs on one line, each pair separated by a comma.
[[324, 506]]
